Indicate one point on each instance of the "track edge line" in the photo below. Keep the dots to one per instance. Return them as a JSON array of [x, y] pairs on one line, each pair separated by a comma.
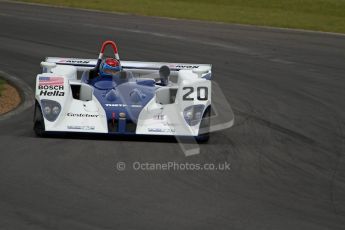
[[25, 92], [295, 30]]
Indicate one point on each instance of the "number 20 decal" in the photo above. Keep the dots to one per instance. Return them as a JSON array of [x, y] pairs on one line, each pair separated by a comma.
[[202, 93]]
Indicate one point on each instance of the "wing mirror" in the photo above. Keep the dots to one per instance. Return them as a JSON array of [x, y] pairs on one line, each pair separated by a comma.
[[164, 73], [201, 70]]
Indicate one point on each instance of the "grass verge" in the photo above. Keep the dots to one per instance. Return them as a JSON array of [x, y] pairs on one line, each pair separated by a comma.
[[320, 15], [2, 83], [9, 97]]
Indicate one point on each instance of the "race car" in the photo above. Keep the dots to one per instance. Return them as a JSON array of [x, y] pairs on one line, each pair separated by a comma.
[[111, 96]]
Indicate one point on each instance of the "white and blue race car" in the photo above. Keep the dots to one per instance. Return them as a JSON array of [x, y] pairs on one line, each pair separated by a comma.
[[147, 98]]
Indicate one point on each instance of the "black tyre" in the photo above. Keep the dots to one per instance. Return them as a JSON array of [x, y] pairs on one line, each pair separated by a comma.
[[204, 130], [39, 127]]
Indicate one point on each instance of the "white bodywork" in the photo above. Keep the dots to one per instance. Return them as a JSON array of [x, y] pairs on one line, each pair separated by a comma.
[[158, 117]]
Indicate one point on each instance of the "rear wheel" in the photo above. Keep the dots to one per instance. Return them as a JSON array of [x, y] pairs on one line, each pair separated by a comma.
[[204, 129], [39, 127]]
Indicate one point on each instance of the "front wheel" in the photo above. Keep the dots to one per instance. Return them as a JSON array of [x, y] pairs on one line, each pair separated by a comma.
[[39, 127], [204, 129]]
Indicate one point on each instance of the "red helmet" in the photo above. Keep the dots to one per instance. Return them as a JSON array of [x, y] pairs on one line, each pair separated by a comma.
[[110, 67]]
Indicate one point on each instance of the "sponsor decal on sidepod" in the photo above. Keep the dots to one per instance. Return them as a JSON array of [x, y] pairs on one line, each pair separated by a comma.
[[81, 115], [51, 86]]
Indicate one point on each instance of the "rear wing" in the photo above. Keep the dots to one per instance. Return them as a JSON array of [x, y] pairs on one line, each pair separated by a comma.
[[135, 66]]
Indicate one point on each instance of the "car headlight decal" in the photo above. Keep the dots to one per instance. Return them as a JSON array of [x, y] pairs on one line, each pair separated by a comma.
[[50, 109], [193, 114], [47, 110], [56, 110]]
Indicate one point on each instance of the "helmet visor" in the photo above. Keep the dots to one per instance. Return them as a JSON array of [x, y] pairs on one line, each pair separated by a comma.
[[112, 72]]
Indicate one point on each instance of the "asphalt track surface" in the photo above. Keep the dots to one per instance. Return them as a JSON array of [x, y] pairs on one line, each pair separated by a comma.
[[286, 148]]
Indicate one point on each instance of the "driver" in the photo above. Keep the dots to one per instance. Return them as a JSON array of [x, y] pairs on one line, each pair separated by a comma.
[[110, 68]]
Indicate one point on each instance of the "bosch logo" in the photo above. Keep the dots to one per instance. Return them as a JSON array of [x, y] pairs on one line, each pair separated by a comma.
[[50, 87]]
